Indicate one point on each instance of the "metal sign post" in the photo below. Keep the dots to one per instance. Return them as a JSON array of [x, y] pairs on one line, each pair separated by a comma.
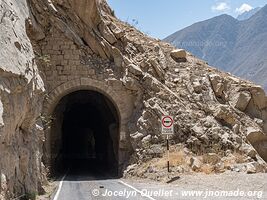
[[167, 129], [168, 153]]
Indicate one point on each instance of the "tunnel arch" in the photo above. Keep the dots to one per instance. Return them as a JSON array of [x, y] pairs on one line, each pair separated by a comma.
[[84, 84]]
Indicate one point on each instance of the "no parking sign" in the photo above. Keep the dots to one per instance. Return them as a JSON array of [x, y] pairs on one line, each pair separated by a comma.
[[167, 125]]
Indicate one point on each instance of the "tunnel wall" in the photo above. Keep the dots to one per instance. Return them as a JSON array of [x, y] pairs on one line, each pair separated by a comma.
[[53, 138], [69, 68], [79, 118]]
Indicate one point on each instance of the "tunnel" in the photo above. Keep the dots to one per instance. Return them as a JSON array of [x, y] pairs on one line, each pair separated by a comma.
[[84, 134]]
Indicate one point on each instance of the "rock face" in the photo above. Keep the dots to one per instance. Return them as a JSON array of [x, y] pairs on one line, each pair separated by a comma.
[[21, 90], [80, 45]]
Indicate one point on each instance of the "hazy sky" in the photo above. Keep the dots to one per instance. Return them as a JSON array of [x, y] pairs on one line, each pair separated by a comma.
[[160, 18]]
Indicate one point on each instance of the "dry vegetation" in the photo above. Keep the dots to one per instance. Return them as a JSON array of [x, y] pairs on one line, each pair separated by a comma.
[[184, 161]]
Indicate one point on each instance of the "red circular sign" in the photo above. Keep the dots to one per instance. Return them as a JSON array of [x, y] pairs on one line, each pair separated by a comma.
[[166, 120]]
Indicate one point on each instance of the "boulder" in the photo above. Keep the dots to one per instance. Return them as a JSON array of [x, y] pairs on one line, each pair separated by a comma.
[[130, 83], [178, 54], [258, 96], [157, 68], [195, 163], [258, 139], [241, 100], [155, 150], [151, 83], [250, 168], [137, 136], [224, 114], [107, 34], [134, 69], [217, 84], [219, 167], [146, 139], [255, 134], [261, 147]]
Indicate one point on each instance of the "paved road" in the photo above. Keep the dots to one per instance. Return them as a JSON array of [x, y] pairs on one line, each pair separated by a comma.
[[96, 189], [81, 186], [79, 183]]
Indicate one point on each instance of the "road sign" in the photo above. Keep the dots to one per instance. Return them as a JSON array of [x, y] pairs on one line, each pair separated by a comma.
[[167, 129], [167, 125]]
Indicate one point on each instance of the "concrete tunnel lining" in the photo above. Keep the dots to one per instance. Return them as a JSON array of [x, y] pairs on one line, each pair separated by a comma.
[[50, 146], [86, 132]]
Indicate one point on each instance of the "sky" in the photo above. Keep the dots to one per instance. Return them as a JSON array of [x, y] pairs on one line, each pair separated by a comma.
[[160, 18]]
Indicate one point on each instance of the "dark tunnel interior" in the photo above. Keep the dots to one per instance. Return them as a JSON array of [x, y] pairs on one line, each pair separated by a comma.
[[89, 134]]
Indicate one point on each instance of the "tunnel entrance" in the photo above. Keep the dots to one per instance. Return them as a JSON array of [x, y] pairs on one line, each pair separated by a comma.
[[85, 131]]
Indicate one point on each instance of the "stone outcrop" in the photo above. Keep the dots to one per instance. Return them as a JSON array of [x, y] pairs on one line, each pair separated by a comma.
[[80, 45], [241, 100], [21, 89]]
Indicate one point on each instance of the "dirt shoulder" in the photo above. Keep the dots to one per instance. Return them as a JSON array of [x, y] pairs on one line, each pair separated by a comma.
[[254, 186]]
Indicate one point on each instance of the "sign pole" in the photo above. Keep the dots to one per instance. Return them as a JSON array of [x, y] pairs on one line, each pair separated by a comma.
[[168, 154], [167, 129]]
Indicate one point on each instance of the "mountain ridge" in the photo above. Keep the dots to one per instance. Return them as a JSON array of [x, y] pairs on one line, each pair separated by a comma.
[[246, 15], [229, 44]]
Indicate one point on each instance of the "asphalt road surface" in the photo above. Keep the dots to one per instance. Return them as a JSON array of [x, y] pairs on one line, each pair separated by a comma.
[[87, 186], [97, 189], [79, 183], [86, 183]]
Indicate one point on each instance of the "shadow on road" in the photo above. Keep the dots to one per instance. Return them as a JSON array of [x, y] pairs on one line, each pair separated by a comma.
[[90, 169]]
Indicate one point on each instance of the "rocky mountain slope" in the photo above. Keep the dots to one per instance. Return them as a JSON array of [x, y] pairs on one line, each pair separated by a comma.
[[246, 15], [234, 46], [218, 117]]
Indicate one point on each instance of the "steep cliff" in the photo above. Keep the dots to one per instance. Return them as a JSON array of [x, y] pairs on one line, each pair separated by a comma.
[[21, 89]]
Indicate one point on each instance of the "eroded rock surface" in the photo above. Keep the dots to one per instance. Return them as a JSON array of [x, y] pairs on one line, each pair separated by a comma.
[[21, 90]]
